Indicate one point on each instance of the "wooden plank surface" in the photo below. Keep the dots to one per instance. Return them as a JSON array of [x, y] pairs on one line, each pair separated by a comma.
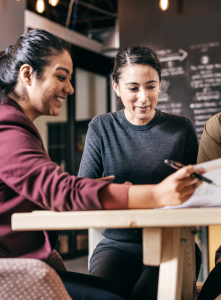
[[152, 246], [189, 266], [170, 276], [45, 220]]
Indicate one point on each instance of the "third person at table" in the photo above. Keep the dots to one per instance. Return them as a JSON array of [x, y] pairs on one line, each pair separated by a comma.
[[210, 149], [132, 145]]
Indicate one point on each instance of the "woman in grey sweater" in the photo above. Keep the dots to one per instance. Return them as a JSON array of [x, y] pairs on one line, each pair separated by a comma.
[[132, 145]]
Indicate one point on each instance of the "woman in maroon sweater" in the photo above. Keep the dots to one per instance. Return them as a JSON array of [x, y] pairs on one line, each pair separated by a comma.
[[35, 76]]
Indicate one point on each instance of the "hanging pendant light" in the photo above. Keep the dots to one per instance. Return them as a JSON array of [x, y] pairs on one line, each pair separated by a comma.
[[164, 4], [53, 2], [40, 6]]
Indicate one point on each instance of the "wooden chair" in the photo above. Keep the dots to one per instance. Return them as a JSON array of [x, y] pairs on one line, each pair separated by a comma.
[[199, 285]]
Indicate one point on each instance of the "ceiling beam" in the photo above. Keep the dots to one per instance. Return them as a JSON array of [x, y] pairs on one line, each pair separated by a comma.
[[33, 20]]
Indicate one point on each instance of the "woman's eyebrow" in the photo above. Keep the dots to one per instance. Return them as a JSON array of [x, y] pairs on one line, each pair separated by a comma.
[[131, 83], [63, 69], [138, 83], [151, 81]]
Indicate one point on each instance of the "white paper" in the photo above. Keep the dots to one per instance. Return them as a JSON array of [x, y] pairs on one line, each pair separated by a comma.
[[206, 195]]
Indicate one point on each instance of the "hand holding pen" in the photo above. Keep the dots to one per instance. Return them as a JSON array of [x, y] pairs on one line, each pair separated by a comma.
[[177, 165]]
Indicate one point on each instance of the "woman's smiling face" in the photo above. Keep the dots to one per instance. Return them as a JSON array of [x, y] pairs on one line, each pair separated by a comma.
[[46, 95], [138, 88]]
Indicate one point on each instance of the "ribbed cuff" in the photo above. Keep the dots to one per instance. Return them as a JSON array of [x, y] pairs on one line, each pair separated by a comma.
[[114, 196]]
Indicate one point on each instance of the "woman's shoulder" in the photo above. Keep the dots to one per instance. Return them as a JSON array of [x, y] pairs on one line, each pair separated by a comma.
[[213, 126], [173, 118], [106, 120], [11, 113], [214, 121], [11, 116]]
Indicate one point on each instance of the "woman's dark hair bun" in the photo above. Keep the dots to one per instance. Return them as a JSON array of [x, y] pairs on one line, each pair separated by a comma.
[[7, 51], [142, 55], [35, 48], [2, 54]]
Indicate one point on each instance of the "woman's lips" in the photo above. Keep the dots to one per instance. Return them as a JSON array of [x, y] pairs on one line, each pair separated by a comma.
[[59, 100], [142, 108]]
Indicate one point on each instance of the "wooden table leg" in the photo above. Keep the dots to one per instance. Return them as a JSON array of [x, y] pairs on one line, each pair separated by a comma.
[[170, 276], [177, 268], [189, 266], [152, 246]]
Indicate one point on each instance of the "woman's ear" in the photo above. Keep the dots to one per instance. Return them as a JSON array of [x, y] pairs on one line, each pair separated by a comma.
[[116, 88], [26, 74]]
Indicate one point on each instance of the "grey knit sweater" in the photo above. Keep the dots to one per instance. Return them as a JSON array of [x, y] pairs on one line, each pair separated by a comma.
[[136, 154]]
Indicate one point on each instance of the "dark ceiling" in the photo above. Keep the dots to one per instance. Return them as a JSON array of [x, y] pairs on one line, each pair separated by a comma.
[[89, 17]]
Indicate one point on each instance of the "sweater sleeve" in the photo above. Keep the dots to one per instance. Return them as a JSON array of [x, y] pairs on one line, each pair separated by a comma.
[[114, 196], [27, 169], [191, 144], [210, 143], [91, 163]]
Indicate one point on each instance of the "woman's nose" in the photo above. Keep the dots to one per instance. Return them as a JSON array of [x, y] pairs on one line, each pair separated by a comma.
[[143, 95], [69, 88]]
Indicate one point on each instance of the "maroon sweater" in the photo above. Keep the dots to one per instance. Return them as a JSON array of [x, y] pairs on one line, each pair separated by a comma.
[[29, 181]]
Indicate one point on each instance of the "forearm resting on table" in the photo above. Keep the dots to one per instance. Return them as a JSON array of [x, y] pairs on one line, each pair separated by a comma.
[[141, 196], [114, 196], [121, 196]]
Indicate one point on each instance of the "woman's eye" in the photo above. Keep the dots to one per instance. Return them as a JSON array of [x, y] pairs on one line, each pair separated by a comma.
[[150, 87], [62, 78], [133, 89]]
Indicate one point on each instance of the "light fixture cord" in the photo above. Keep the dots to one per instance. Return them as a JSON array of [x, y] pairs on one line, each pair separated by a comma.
[[69, 13], [75, 15]]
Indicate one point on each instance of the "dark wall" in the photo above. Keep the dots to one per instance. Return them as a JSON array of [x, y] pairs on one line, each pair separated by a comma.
[[143, 22], [12, 20], [187, 39]]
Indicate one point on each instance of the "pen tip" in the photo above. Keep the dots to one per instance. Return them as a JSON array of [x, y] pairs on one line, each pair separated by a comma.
[[216, 184]]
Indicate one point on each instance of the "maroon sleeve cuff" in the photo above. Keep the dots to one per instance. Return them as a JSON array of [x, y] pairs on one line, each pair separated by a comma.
[[114, 196]]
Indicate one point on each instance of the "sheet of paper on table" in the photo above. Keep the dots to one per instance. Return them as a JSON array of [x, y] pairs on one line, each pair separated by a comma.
[[206, 195]]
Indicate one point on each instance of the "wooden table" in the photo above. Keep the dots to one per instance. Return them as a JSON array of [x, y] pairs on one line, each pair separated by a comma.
[[168, 241]]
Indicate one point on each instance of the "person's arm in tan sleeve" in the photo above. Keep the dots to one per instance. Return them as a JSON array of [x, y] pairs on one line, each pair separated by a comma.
[[210, 148], [210, 143], [218, 255]]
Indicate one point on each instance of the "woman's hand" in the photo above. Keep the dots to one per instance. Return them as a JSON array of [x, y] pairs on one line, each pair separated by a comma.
[[178, 187], [174, 190], [107, 178], [127, 183], [111, 177]]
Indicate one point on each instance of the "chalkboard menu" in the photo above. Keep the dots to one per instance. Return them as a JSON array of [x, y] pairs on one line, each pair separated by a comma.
[[191, 82]]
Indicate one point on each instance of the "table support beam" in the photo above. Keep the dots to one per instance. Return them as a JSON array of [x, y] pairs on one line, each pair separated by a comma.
[[189, 266], [152, 246], [177, 269], [170, 275]]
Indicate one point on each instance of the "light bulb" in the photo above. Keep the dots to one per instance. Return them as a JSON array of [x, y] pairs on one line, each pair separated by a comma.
[[164, 4], [53, 2], [40, 6]]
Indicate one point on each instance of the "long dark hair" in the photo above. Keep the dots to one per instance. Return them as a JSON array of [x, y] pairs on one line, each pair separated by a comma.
[[34, 48], [142, 55]]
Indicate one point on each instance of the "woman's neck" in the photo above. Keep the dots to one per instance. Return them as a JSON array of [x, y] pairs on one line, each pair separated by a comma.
[[25, 107], [137, 121]]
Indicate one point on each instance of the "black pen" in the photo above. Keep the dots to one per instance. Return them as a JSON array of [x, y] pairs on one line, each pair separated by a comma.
[[176, 165]]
